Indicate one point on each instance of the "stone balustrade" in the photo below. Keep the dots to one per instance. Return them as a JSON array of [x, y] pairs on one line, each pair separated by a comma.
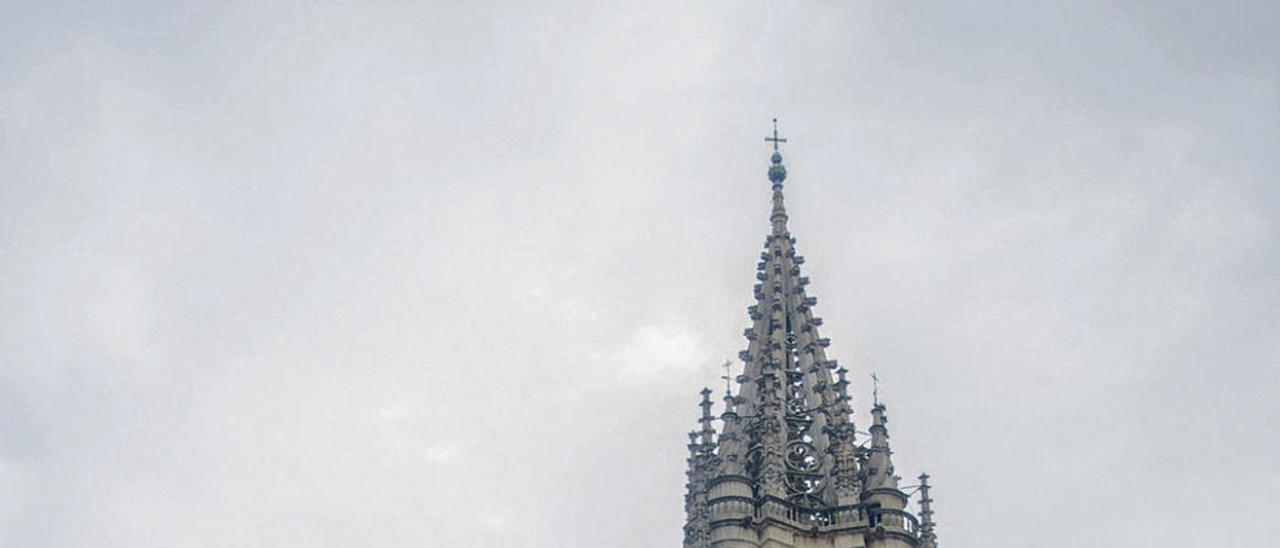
[[737, 508]]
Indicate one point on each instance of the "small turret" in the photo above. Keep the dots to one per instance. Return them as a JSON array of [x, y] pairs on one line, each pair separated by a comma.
[[887, 503], [879, 469], [701, 466]]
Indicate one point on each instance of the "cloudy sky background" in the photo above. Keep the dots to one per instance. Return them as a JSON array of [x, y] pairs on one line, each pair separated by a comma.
[[410, 274]]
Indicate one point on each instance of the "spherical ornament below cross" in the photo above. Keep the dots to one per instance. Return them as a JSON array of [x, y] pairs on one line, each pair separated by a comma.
[[777, 172]]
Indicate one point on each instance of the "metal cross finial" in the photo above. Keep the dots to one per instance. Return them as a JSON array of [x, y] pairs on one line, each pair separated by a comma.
[[728, 389], [875, 389], [775, 140]]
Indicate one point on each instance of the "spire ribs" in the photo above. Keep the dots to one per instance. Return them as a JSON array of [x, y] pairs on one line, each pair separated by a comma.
[[787, 451]]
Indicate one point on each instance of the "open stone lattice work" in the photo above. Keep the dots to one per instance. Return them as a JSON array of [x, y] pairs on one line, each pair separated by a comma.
[[788, 468]]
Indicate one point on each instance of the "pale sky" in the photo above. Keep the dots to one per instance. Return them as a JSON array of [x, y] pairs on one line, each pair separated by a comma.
[[407, 274]]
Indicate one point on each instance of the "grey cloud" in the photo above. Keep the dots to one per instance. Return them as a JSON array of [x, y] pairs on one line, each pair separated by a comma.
[[396, 274]]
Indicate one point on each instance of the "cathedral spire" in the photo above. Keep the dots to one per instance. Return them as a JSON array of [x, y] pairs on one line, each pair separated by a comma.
[[787, 457], [790, 429]]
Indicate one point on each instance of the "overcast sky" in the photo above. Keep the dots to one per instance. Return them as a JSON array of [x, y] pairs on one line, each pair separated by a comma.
[[451, 275]]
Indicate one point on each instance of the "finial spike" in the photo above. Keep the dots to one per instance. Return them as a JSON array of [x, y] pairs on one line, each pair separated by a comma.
[[728, 388], [875, 389], [777, 172]]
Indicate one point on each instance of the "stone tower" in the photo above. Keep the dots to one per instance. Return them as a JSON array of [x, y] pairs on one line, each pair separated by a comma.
[[788, 469]]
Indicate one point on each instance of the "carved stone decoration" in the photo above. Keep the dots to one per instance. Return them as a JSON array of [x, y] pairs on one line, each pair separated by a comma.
[[803, 458]]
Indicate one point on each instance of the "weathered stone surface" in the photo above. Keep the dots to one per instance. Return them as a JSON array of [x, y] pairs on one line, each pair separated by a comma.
[[787, 469]]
